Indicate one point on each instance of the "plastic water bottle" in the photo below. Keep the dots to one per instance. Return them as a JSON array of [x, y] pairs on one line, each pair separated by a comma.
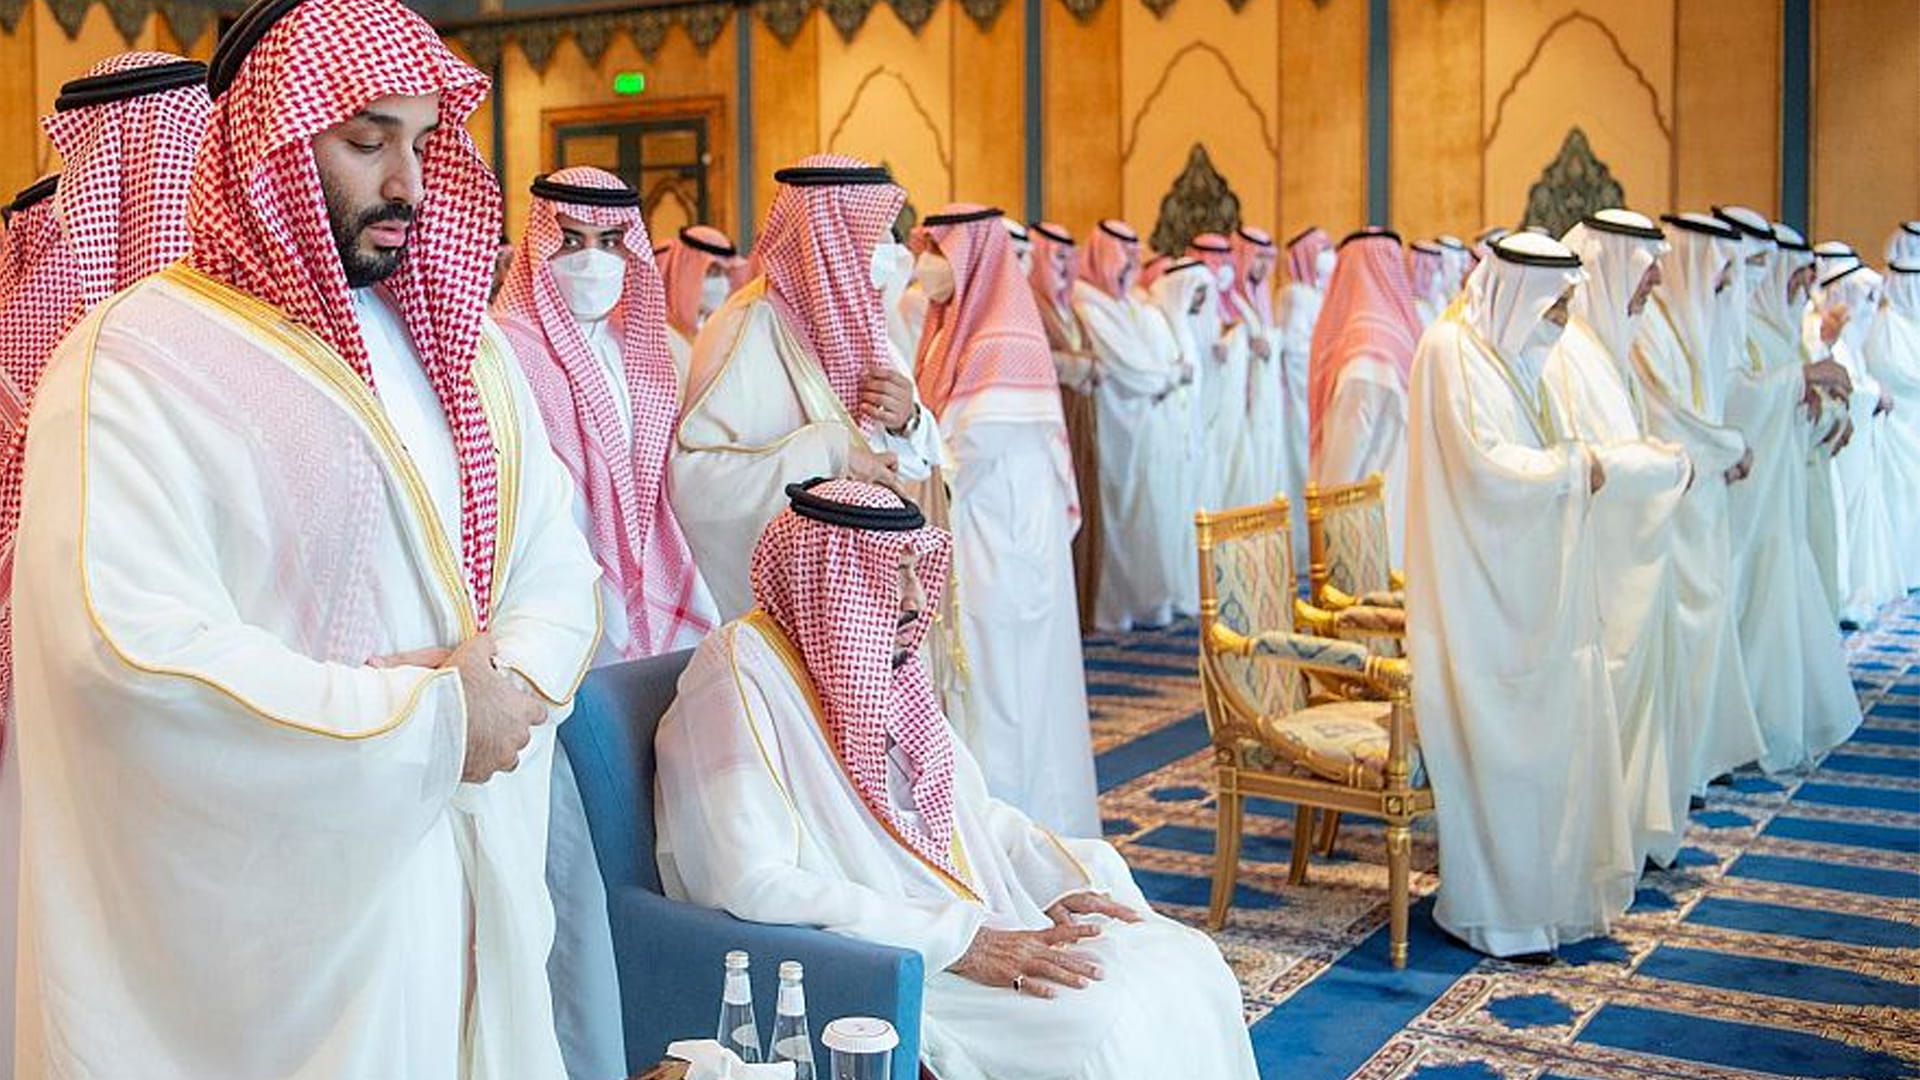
[[791, 1039], [739, 1032]]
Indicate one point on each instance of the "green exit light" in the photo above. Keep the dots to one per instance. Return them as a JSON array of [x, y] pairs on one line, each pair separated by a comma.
[[629, 82]]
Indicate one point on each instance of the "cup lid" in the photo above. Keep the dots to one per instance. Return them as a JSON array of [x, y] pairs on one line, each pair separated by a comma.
[[737, 959], [791, 969], [860, 1035]]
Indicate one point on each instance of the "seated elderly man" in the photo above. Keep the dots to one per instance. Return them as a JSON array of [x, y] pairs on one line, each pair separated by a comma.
[[807, 776]]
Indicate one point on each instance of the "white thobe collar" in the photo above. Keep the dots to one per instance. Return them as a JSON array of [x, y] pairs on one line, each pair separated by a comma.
[[410, 402]]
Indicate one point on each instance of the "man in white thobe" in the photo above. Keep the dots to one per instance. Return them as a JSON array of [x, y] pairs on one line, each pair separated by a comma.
[[1870, 549], [987, 375], [808, 777], [1310, 261], [1254, 330], [299, 590], [1632, 521], [1893, 357], [1684, 400], [1222, 475], [796, 376], [696, 273], [1796, 667], [1052, 279], [1146, 515], [1179, 296], [1363, 349], [1517, 723]]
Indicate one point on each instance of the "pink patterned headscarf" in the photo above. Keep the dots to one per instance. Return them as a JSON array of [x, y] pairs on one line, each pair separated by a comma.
[[1368, 312], [834, 589], [815, 252], [258, 219], [1252, 249], [1303, 251], [634, 535], [683, 271], [1112, 258], [1426, 268], [984, 353]]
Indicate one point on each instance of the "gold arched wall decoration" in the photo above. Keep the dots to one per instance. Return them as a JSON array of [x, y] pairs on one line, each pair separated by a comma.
[[1193, 48], [913, 99], [1570, 19]]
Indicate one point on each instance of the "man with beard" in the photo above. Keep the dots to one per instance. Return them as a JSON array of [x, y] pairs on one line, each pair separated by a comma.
[[299, 589]]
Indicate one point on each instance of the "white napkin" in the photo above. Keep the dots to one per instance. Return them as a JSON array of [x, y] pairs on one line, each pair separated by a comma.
[[711, 1061]]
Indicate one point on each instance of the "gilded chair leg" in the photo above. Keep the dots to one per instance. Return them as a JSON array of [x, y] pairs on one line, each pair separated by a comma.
[[1329, 832], [1226, 854], [1302, 844], [1399, 867]]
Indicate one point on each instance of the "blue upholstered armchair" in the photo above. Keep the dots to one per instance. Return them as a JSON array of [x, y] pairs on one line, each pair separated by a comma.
[[668, 953]]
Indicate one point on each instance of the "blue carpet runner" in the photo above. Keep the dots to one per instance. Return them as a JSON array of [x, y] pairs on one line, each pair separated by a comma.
[[1785, 943]]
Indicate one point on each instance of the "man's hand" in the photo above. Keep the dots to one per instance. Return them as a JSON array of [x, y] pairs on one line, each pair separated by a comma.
[[869, 466], [1262, 348], [1032, 962], [1089, 903], [1841, 436], [1596, 475], [1885, 406], [500, 716], [1832, 321], [887, 396], [1830, 377], [1219, 352], [1741, 469]]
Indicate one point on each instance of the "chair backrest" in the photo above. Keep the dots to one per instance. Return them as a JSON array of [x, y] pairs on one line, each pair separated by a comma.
[[609, 739], [1247, 584], [1347, 535]]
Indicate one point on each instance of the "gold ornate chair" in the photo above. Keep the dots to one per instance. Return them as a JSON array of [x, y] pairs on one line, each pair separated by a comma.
[[1343, 755], [1351, 573]]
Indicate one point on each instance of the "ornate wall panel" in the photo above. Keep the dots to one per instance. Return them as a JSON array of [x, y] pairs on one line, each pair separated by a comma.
[[888, 94], [989, 109], [1323, 115], [1727, 104], [1866, 119], [786, 103], [1435, 186], [1082, 116]]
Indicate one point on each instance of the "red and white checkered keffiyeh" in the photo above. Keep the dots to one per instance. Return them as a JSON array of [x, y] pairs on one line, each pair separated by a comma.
[[1252, 246], [816, 252], [1368, 312], [984, 353], [1111, 258], [683, 272], [1303, 251], [259, 223], [119, 215], [635, 536], [835, 590]]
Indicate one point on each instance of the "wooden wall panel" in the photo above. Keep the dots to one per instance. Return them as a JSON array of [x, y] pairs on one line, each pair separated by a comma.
[[1435, 185], [1082, 116], [679, 70], [1866, 120], [989, 109], [19, 108], [1323, 115], [1726, 105], [786, 104], [1552, 65], [1201, 74], [887, 95]]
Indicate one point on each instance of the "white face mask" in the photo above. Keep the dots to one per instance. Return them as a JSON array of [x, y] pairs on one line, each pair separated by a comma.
[[713, 293], [1323, 267], [892, 264], [1226, 278], [1539, 344], [591, 282], [1023, 255], [935, 275]]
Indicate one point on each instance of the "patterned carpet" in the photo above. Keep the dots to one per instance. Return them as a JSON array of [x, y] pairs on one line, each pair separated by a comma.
[[1783, 944]]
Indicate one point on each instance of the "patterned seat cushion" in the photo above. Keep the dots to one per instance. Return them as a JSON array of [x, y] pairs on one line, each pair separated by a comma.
[[1344, 741]]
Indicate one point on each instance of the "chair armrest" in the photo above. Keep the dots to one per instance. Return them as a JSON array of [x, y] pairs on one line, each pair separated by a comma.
[[1333, 599], [670, 956], [1363, 620], [1321, 654]]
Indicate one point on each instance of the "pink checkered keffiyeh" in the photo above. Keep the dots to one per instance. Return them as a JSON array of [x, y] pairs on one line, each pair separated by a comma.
[[635, 536], [1368, 312], [1303, 251], [1111, 258], [118, 216], [259, 221], [683, 272], [835, 590], [984, 353], [1050, 287], [816, 251]]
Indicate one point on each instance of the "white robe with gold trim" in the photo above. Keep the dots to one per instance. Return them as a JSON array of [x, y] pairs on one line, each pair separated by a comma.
[[1517, 724], [1365, 432], [758, 818], [247, 852]]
